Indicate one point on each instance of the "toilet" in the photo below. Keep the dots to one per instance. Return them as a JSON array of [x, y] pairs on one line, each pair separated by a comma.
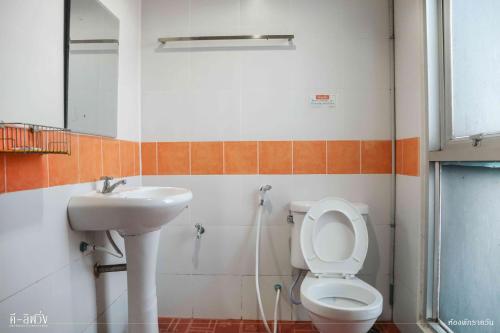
[[330, 239]]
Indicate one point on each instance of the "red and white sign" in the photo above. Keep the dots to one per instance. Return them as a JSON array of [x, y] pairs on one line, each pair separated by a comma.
[[324, 99]]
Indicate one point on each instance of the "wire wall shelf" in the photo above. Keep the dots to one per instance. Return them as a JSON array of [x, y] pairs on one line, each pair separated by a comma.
[[34, 139]]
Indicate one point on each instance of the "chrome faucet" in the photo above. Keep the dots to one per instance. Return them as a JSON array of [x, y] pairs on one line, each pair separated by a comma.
[[107, 187]]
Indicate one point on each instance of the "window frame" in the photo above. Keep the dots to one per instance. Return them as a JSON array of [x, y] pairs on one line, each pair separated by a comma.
[[434, 255], [458, 149]]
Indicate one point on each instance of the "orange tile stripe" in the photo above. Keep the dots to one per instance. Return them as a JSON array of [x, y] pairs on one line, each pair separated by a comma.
[[91, 157], [267, 157], [408, 157]]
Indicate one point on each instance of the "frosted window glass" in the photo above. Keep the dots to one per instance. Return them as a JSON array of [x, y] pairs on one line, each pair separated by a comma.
[[470, 247], [476, 66]]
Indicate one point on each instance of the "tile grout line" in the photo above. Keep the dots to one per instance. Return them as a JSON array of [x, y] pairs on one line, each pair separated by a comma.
[[46, 161], [157, 157], [403, 157], [326, 157], [360, 166], [190, 146], [257, 155], [223, 158], [102, 157], [402, 169], [140, 159], [401, 148], [120, 157], [134, 158], [4, 172], [77, 138]]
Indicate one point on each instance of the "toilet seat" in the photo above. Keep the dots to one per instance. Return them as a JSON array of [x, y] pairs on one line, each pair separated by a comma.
[[334, 243], [341, 299], [334, 238]]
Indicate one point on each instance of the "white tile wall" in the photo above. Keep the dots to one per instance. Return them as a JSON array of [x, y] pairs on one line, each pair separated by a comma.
[[405, 309], [214, 16], [20, 90], [258, 90], [409, 66], [408, 231], [231, 200], [216, 296], [40, 232], [250, 307], [176, 296], [226, 206], [221, 250], [379, 257], [177, 249], [410, 193], [44, 270], [42, 267], [66, 297], [114, 320]]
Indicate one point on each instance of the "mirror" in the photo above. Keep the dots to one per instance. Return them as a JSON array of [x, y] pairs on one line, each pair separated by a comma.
[[91, 68]]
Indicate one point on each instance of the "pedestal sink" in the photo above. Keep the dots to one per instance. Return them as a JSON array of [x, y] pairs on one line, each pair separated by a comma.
[[137, 213]]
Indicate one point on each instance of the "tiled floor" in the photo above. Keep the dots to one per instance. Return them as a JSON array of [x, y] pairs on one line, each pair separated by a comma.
[[179, 325]]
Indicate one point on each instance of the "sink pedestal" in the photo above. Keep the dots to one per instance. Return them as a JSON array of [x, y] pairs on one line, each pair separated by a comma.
[[142, 251], [140, 211]]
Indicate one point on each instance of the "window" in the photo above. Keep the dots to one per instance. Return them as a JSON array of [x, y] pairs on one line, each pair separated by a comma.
[[469, 247], [463, 294], [474, 35]]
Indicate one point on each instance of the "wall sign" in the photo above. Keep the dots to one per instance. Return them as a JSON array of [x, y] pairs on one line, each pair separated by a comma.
[[324, 99]]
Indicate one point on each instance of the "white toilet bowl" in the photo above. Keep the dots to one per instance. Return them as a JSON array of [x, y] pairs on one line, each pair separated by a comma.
[[330, 239], [339, 305]]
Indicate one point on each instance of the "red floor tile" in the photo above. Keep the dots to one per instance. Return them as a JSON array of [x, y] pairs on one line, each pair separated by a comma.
[[177, 326], [180, 325], [202, 326], [303, 327], [164, 322], [286, 326], [228, 326], [386, 327], [254, 326]]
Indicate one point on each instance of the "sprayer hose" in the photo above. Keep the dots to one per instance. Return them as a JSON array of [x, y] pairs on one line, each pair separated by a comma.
[[257, 284]]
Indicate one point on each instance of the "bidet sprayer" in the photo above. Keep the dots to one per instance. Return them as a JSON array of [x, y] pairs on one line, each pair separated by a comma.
[[263, 190]]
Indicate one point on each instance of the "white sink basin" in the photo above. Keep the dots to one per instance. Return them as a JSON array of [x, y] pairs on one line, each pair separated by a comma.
[[138, 213], [129, 210]]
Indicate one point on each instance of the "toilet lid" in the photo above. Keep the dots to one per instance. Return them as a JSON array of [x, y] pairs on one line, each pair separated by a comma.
[[334, 238]]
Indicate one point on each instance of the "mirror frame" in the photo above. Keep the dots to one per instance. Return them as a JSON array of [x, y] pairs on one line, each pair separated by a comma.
[[67, 17], [66, 54]]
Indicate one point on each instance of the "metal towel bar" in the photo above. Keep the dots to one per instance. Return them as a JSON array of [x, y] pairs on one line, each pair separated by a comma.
[[234, 37]]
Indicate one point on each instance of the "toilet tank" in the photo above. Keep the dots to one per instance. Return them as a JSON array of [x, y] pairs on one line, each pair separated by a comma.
[[298, 210]]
